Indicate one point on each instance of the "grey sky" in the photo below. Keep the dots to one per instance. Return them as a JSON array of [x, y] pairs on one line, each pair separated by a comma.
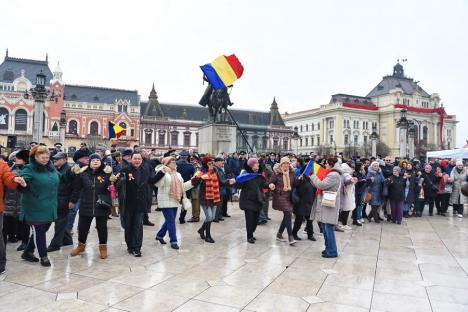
[[302, 52]]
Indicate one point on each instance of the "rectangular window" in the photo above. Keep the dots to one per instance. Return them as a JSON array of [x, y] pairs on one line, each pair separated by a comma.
[[346, 139], [187, 139], [312, 141], [318, 140], [306, 142], [174, 139], [365, 140], [162, 139], [355, 140], [132, 132]]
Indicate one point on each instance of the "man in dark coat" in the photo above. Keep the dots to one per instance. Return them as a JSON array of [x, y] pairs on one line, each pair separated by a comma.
[[61, 236], [148, 166], [387, 172], [186, 170], [81, 159], [133, 182]]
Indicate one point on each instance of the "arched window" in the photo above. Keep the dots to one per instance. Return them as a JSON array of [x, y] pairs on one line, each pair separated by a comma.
[[94, 128], [148, 136], [174, 138], [187, 136], [123, 125], [286, 144], [4, 118], [73, 127], [21, 120], [162, 138]]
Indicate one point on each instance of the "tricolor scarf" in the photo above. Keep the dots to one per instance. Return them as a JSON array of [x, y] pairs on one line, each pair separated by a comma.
[[212, 186], [319, 191]]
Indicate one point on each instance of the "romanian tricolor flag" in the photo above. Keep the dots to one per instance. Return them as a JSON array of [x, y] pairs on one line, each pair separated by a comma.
[[314, 168], [223, 71], [115, 131]]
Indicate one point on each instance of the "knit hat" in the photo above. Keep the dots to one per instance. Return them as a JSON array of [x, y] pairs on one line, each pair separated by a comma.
[[252, 162], [94, 156], [166, 160], [397, 168], [459, 162], [285, 159], [427, 166], [127, 152], [444, 163], [205, 160], [23, 155]]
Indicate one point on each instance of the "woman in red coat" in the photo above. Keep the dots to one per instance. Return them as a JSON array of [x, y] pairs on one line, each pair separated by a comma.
[[281, 182]]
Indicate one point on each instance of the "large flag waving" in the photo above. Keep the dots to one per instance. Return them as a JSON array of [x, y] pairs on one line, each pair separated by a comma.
[[223, 71], [115, 131]]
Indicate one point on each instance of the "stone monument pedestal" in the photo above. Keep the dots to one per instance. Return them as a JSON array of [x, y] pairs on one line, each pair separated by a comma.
[[216, 138]]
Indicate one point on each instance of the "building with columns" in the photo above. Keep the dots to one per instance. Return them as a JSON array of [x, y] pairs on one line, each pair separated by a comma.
[[168, 125], [79, 113], [349, 123]]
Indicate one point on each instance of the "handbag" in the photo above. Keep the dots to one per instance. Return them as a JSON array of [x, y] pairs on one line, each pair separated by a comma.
[[329, 199], [261, 198], [104, 201], [294, 197], [368, 198]]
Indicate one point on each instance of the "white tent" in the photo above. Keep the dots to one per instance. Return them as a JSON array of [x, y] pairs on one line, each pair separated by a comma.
[[459, 153]]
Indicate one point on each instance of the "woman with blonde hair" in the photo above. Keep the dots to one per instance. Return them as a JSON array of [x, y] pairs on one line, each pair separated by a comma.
[[39, 201]]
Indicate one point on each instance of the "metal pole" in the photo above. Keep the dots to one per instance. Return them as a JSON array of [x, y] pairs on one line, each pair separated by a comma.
[[240, 130]]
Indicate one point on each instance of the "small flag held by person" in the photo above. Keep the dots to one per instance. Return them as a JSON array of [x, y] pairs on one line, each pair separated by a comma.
[[115, 131]]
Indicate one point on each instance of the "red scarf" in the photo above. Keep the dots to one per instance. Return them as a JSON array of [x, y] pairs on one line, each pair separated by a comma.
[[212, 186], [319, 191]]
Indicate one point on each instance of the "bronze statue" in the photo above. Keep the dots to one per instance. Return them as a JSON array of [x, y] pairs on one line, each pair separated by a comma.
[[217, 102]]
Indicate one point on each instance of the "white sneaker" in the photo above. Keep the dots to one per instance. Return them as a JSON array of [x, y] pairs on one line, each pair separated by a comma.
[[362, 221], [460, 215], [346, 227]]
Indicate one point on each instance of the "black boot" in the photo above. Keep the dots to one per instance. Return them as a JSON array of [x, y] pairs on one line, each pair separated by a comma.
[[208, 238], [310, 231], [201, 231], [183, 213], [45, 261], [375, 214]]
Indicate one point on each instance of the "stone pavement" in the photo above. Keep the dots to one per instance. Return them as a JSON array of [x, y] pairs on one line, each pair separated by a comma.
[[421, 265]]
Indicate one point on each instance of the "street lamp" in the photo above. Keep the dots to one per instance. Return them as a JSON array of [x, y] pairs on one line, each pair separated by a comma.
[[374, 137], [39, 93], [403, 124], [411, 133], [296, 137], [63, 126]]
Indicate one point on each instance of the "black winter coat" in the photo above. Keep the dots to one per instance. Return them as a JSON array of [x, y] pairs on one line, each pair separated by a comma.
[[250, 193], [307, 193], [430, 184], [396, 188], [87, 187], [12, 197], [65, 190]]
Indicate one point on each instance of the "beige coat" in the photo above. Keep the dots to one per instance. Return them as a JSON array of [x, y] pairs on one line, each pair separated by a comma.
[[332, 183], [458, 180]]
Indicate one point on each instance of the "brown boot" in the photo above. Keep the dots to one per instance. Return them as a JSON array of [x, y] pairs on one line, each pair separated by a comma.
[[78, 249], [103, 251]]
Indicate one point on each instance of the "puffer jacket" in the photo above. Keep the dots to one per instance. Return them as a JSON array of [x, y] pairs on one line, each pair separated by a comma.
[[375, 187], [348, 201], [12, 197], [281, 199], [164, 188], [65, 189], [331, 183], [459, 179], [89, 186], [6, 180]]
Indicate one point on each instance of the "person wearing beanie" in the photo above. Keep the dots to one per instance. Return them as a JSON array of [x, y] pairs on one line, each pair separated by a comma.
[[171, 189], [396, 193], [430, 187], [458, 178], [410, 186], [443, 194], [375, 186], [186, 170], [281, 182], [252, 196], [91, 190]]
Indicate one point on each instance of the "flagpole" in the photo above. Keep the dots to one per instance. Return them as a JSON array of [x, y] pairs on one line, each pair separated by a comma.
[[240, 130]]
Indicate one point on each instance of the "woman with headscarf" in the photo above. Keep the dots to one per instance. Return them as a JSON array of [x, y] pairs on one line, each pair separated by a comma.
[[347, 196], [396, 192], [375, 181], [324, 213], [171, 188], [443, 195], [91, 189], [281, 182], [458, 178]]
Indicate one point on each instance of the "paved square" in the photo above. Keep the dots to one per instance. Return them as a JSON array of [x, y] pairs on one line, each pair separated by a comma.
[[421, 265]]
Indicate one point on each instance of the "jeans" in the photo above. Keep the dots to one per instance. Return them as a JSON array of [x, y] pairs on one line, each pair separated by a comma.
[[397, 210], [210, 212], [38, 239], [84, 223], [169, 224], [457, 208], [360, 203], [61, 236], [134, 230], [330, 241], [2, 246], [71, 216], [264, 212], [286, 223], [251, 221]]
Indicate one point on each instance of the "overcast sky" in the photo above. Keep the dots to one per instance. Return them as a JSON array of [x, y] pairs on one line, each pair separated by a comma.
[[302, 52]]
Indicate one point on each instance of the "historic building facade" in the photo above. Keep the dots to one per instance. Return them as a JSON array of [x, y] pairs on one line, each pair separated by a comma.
[[347, 122], [82, 112], [167, 125]]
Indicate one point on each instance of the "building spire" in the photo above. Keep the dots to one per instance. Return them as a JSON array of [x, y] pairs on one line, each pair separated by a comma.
[[6, 55], [153, 94], [47, 58], [57, 74], [274, 105]]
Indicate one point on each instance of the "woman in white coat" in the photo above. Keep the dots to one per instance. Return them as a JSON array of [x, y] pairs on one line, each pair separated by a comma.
[[171, 189], [348, 202]]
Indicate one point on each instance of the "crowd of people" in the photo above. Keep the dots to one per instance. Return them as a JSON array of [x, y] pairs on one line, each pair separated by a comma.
[[40, 186]]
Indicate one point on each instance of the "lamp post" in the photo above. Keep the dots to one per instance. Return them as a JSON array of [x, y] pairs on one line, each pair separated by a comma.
[[296, 137], [374, 137], [402, 124], [63, 126], [411, 133], [39, 93]]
